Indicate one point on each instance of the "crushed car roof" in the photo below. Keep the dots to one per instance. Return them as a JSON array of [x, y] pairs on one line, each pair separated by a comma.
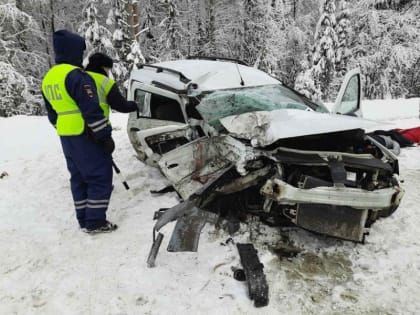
[[207, 74]]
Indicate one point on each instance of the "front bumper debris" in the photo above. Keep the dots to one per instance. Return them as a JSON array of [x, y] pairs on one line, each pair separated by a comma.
[[341, 212], [284, 193]]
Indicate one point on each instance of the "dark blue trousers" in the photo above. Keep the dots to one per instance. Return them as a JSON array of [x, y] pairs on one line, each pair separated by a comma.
[[90, 168]]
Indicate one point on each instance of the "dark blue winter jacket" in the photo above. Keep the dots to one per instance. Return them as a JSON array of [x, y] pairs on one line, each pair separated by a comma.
[[69, 48]]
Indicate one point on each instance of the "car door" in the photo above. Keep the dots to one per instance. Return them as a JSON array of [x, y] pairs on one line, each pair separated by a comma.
[[349, 97], [160, 125]]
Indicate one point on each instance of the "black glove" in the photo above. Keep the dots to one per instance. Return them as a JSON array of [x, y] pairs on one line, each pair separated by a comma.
[[134, 106], [107, 144]]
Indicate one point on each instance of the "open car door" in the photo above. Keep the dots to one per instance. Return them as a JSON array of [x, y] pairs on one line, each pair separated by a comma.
[[349, 97], [159, 125]]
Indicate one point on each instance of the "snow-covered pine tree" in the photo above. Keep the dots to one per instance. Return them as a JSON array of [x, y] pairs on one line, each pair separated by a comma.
[[392, 4], [121, 38], [124, 39], [289, 41], [325, 48], [305, 83], [98, 38], [191, 27], [386, 46], [256, 33], [342, 30], [21, 65], [148, 26], [207, 28], [135, 57], [172, 39]]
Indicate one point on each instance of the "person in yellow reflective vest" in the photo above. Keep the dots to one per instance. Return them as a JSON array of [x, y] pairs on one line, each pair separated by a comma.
[[99, 68], [73, 107]]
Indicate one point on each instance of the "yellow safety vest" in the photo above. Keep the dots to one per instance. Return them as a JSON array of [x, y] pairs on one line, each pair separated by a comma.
[[69, 118], [103, 86]]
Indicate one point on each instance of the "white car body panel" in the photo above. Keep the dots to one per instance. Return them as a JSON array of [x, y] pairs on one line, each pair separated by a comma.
[[266, 127], [208, 75]]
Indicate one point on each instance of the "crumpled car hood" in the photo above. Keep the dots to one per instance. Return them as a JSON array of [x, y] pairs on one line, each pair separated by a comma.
[[263, 128]]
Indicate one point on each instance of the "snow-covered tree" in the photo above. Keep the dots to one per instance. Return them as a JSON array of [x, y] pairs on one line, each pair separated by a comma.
[[256, 29], [386, 46], [20, 66], [98, 37], [290, 40], [150, 18], [326, 41], [124, 37], [207, 28], [172, 38], [305, 83], [342, 30], [135, 57], [391, 4], [121, 38], [307, 43]]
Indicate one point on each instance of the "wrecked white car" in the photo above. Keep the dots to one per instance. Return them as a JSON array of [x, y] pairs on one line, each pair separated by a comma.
[[234, 141]]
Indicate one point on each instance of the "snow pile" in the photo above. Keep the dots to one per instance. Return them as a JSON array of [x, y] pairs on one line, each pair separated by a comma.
[[391, 109], [49, 267]]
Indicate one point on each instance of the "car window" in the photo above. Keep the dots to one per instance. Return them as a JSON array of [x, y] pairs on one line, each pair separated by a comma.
[[140, 97], [165, 108], [158, 106], [220, 104], [350, 99]]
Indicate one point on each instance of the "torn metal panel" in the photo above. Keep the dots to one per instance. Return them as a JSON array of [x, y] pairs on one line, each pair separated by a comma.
[[190, 214], [169, 215], [186, 233], [173, 213], [266, 127], [151, 259], [188, 186], [190, 166], [284, 193], [236, 152], [206, 192], [180, 163]]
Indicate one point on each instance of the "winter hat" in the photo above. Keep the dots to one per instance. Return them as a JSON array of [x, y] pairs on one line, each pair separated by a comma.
[[68, 47], [97, 61]]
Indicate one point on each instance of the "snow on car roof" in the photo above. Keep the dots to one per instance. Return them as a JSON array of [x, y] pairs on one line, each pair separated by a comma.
[[207, 74]]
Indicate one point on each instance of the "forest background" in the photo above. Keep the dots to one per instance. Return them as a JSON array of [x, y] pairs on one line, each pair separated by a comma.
[[307, 44]]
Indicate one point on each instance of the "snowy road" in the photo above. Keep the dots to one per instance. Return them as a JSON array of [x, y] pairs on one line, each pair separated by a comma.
[[47, 266]]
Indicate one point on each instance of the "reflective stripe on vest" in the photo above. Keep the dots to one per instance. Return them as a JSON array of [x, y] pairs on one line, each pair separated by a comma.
[[103, 86], [69, 118]]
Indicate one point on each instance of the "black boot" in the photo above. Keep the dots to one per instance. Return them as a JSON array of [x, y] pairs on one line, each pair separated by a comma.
[[106, 228]]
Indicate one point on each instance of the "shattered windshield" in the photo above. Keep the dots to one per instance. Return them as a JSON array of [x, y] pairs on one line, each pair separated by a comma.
[[220, 104]]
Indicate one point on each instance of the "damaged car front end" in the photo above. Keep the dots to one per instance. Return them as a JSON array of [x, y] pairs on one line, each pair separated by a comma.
[[266, 151]]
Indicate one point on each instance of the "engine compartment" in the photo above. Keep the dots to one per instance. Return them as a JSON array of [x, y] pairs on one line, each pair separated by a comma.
[[339, 188]]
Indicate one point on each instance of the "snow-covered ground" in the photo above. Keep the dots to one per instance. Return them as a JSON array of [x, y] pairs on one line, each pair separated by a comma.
[[48, 266]]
